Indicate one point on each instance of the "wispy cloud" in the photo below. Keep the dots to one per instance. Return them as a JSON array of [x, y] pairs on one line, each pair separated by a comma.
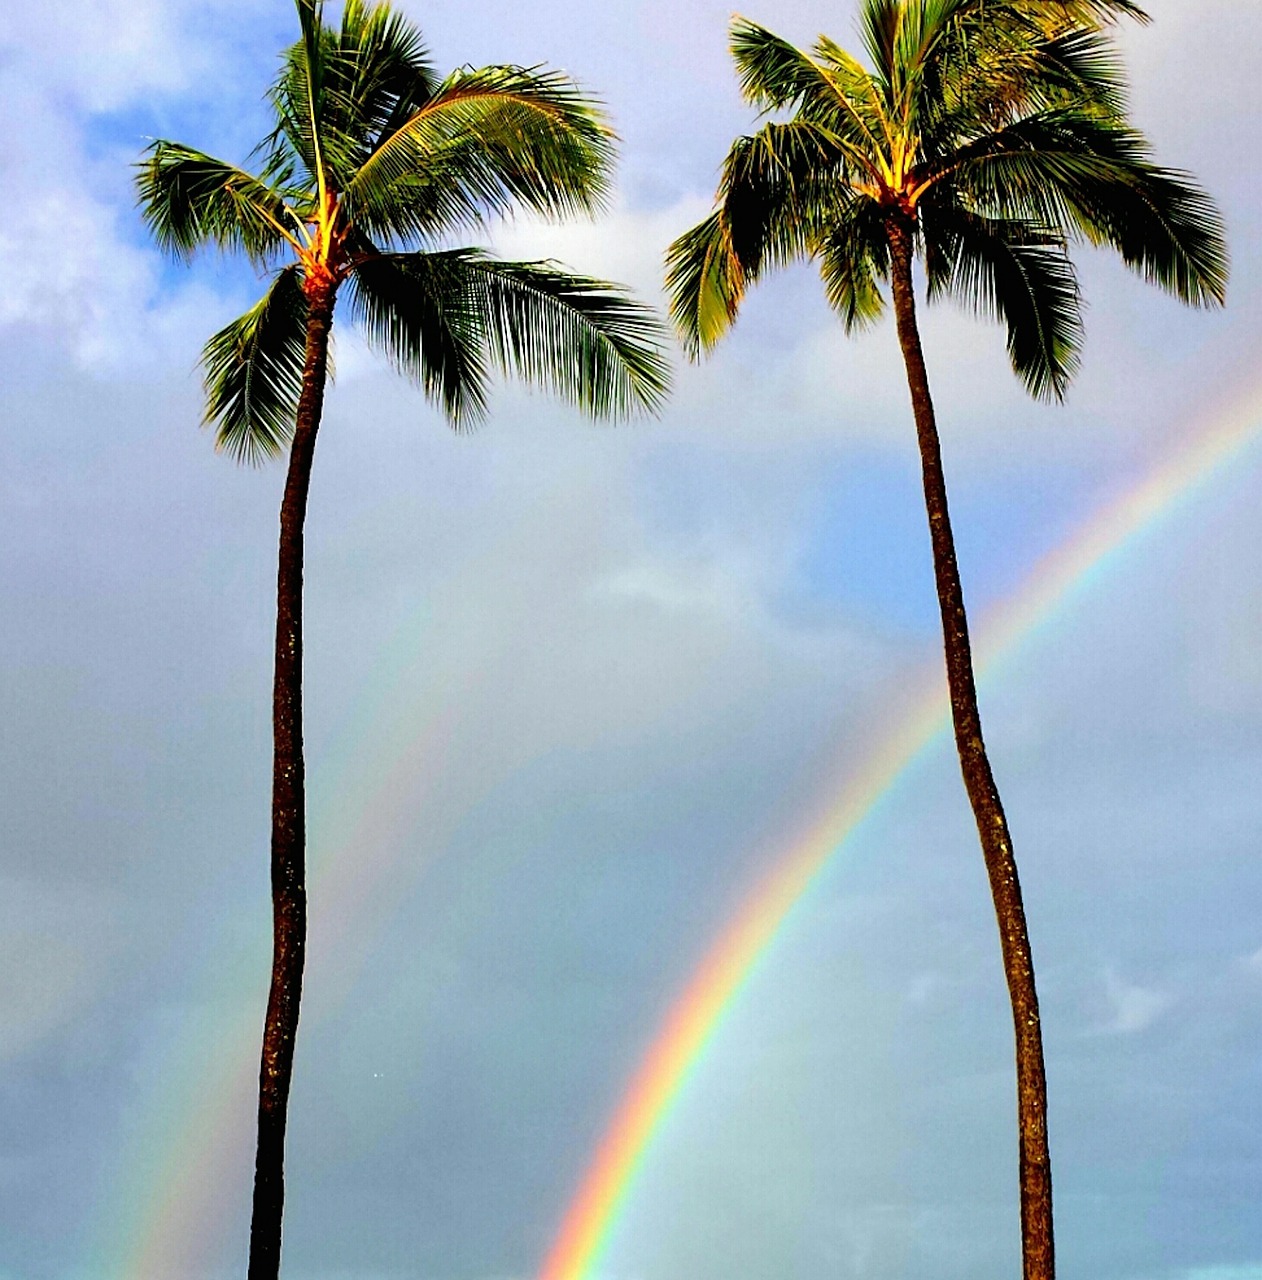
[[1133, 1008]]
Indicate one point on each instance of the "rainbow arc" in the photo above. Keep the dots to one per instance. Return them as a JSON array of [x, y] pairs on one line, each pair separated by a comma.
[[692, 1023], [166, 1211]]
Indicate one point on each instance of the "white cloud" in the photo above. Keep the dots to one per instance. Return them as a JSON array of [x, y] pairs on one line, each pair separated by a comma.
[[104, 54], [1133, 1008], [72, 273], [624, 245]]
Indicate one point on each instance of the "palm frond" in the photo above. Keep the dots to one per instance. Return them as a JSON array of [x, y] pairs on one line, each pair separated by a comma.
[[706, 283], [773, 194], [445, 318], [853, 252], [834, 92], [376, 73], [1094, 176], [189, 199], [305, 134], [501, 136], [584, 339], [417, 310], [253, 372], [1018, 273], [879, 24]]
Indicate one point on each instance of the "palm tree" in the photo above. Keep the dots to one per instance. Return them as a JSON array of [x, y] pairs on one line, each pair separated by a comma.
[[985, 137], [375, 164]]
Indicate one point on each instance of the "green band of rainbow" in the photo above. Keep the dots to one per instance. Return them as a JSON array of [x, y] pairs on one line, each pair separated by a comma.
[[691, 1024]]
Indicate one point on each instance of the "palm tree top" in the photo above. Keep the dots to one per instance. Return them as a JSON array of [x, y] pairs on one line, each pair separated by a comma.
[[993, 131], [374, 167]]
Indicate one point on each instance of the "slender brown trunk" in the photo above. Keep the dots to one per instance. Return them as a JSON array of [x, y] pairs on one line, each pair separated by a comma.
[[289, 889], [1035, 1164]]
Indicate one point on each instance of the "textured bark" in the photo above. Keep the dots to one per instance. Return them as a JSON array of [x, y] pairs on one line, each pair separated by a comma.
[[289, 889], [1037, 1248]]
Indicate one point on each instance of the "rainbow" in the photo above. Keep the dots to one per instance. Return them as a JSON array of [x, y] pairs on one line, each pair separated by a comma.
[[161, 1216], [166, 1212], [692, 1023]]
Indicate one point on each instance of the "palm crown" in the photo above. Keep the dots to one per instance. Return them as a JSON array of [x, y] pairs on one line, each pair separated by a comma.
[[993, 131], [373, 166]]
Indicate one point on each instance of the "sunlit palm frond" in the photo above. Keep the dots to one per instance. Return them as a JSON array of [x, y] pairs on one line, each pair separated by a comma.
[[880, 23], [834, 92], [706, 283], [539, 142], [189, 199], [772, 196], [375, 73]]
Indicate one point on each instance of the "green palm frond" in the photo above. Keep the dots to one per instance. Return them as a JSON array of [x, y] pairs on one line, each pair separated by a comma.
[[416, 308], [253, 372], [583, 339], [381, 72], [770, 193], [189, 199], [1085, 12], [880, 28], [340, 92], [853, 254], [445, 318], [307, 132], [1094, 176], [1015, 272], [706, 283], [500, 137]]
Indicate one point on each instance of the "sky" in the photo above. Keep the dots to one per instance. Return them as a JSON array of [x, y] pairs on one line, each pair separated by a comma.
[[570, 688]]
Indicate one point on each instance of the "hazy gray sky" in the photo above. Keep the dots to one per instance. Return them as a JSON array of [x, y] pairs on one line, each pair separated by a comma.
[[569, 688]]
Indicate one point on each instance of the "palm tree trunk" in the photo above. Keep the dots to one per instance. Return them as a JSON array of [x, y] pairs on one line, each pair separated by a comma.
[[992, 826], [289, 889]]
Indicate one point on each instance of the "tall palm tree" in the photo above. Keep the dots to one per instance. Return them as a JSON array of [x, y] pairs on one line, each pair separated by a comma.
[[375, 164], [985, 137]]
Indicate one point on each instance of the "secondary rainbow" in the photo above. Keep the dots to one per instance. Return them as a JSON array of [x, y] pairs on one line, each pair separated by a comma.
[[692, 1022]]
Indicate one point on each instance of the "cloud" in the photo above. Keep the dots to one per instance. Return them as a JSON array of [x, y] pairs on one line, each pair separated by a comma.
[[626, 244], [1134, 1008], [75, 267]]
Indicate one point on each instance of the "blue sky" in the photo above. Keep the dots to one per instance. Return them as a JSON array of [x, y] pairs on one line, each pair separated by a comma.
[[568, 685]]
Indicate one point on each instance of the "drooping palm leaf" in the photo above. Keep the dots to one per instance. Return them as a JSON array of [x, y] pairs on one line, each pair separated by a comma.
[[253, 372], [1018, 273], [448, 318], [853, 260], [771, 214], [416, 309], [1095, 177]]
